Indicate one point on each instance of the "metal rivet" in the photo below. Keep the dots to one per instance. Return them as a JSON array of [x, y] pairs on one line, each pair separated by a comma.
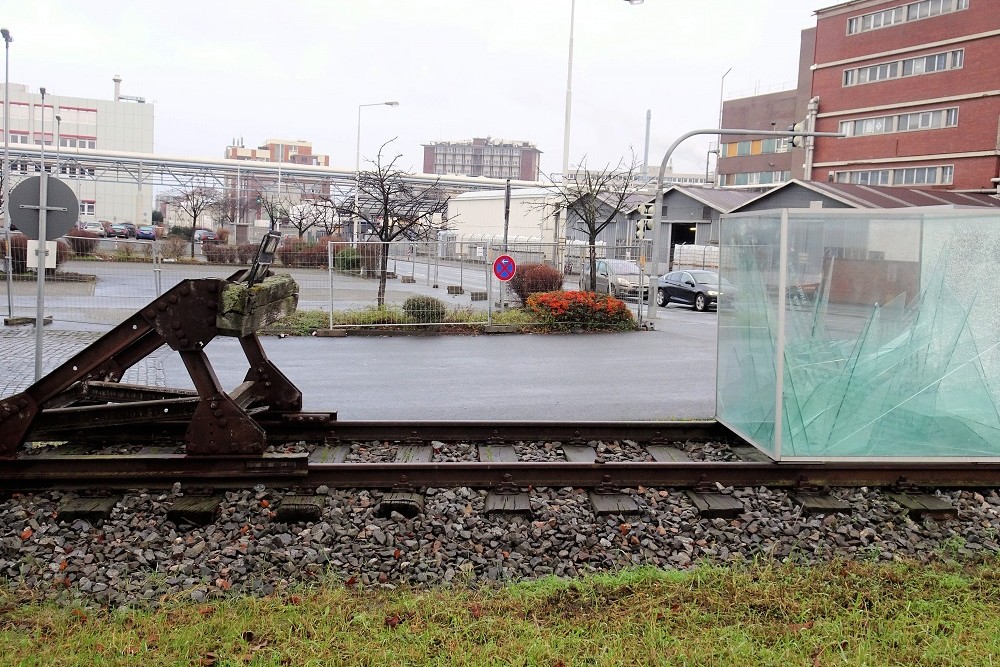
[[172, 298]]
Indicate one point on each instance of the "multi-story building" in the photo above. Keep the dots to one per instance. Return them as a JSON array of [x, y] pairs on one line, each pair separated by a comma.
[[757, 160], [75, 125], [493, 158], [278, 150], [915, 86]]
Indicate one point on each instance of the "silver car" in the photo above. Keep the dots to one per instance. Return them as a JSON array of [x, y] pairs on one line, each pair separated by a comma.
[[617, 277]]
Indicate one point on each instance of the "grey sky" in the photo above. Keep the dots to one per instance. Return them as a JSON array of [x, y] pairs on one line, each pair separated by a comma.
[[459, 68]]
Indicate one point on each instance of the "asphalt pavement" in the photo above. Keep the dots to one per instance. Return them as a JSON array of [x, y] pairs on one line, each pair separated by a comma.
[[668, 373]]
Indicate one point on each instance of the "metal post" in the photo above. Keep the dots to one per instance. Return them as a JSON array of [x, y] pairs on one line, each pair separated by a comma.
[[8, 260], [43, 202], [658, 208]]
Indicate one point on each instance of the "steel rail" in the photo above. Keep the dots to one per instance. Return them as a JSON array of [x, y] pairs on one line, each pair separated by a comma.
[[147, 470]]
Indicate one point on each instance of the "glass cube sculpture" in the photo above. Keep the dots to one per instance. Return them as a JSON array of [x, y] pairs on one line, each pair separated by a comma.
[[861, 333]]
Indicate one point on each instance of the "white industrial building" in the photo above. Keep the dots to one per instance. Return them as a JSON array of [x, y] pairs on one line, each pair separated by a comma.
[[74, 126]]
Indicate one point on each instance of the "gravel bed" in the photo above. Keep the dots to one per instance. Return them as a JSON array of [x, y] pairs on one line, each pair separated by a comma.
[[138, 558]]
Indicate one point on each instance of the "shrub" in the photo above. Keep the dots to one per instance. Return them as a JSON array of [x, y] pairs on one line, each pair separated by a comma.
[[301, 253], [222, 235], [347, 259], [174, 247], [245, 252], [82, 242], [532, 278], [218, 252], [425, 309], [181, 232], [565, 310]]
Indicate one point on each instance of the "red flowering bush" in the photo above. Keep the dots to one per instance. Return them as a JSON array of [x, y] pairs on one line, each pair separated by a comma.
[[532, 278], [589, 310]]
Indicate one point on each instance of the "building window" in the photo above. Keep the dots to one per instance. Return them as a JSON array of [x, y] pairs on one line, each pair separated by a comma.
[[939, 175], [922, 120], [936, 62], [910, 12], [87, 207]]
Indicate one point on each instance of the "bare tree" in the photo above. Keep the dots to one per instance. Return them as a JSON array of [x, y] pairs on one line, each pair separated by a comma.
[[306, 214], [595, 199], [275, 207], [232, 208], [392, 206], [195, 202]]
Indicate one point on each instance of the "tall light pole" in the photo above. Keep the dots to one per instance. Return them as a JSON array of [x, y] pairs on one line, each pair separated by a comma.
[[8, 262], [58, 140], [357, 165], [569, 103], [718, 141]]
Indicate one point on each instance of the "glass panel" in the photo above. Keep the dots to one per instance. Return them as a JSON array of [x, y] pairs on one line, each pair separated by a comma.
[[748, 325], [891, 344]]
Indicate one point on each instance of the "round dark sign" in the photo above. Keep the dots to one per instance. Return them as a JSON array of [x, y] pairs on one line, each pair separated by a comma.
[[62, 210]]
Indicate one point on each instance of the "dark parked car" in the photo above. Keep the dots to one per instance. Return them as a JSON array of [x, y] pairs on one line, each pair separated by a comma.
[[697, 288], [121, 230], [146, 232]]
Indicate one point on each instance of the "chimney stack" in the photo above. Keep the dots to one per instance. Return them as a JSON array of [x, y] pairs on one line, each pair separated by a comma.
[[118, 86]]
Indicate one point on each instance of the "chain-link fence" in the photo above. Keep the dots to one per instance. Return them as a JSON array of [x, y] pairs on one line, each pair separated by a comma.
[[368, 283]]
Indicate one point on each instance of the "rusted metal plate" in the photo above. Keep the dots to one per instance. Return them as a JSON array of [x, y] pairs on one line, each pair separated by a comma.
[[296, 509], [407, 504], [92, 510], [716, 505], [820, 503], [920, 506], [195, 510], [114, 415]]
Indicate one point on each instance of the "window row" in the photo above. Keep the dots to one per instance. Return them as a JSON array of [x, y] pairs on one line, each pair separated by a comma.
[[73, 142], [936, 62], [28, 167], [940, 175], [757, 147], [755, 178], [921, 120], [909, 12]]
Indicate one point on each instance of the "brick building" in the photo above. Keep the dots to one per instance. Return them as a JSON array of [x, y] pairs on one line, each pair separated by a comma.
[[493, 158], [915, 85]]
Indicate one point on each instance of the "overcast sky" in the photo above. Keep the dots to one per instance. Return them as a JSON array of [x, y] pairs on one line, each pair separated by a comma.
[[459, 68]]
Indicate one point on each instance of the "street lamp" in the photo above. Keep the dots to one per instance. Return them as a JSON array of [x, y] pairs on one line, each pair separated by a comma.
[[357, 164], [58, 140], [569, 105], [8, 262]]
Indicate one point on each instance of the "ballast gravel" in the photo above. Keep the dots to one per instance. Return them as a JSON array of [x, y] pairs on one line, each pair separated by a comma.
[[139, 558]]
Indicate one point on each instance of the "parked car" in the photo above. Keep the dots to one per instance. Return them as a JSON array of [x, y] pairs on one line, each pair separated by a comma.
[[617, 277], [698, 288], [146, 232], [201, 235], [95, 227], [120, 230]]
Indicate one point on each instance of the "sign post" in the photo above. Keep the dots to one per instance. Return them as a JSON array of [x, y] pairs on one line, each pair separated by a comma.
[[44, 209]]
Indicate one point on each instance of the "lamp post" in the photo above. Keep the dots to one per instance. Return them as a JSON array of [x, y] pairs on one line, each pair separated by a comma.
[[718, 141], [569, 104], [8, 262], [357, 164], [58, 140]]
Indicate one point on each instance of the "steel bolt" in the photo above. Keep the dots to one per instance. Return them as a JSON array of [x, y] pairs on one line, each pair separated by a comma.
[[185, 290], [161, 306], [172, 298], [213, 405]]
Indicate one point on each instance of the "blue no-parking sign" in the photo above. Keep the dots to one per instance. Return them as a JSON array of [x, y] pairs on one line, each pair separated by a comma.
[[504, 267]]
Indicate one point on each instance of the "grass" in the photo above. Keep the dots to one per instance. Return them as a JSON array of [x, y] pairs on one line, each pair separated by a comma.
[[843, 613]]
